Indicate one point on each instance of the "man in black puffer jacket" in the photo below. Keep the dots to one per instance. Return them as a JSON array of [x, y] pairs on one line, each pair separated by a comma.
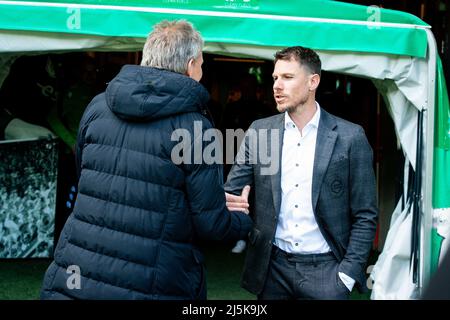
[[130, 235]]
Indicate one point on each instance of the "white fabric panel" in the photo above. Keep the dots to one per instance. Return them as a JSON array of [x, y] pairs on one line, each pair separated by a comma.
[[404, 115], [391, 274], [392, 279], [23, 42]]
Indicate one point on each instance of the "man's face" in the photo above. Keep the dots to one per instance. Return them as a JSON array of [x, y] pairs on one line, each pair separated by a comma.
[[292, 85], [196, 71]]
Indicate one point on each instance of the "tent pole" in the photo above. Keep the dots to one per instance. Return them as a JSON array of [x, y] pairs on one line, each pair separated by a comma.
[[427, 191]]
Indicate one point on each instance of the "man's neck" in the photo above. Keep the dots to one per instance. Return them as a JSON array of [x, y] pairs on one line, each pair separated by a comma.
[[303, 114]]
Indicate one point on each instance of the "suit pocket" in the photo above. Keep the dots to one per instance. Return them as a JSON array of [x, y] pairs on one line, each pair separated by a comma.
[[338, 164], [341, 283]]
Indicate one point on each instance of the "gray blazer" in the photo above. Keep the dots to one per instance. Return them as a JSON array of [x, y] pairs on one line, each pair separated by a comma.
[[343, 196]]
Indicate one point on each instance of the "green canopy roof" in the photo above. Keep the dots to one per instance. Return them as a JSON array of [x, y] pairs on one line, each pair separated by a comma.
[[319, 24]]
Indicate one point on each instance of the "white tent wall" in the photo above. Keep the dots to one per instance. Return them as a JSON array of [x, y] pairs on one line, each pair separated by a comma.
[[407, 84], [29, 41]]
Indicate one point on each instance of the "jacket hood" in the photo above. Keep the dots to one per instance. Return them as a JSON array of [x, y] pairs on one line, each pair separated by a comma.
[[143, 94]]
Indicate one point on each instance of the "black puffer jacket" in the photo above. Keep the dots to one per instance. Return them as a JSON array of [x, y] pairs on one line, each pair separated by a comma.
[[136, 215]]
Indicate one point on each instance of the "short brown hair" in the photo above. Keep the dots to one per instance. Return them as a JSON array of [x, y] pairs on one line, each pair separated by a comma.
[[305, 56]]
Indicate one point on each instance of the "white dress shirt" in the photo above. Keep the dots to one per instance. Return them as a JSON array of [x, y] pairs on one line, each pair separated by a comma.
[[297, 229]]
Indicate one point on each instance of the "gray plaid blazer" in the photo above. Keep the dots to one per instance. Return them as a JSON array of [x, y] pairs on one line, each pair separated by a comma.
[[343, 194]]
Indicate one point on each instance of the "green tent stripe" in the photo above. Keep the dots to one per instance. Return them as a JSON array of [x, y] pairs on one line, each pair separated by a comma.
[[436, 244], [441, 175], [280, 31], [216, 13], [441, 178], [442, 116], [294, 8]]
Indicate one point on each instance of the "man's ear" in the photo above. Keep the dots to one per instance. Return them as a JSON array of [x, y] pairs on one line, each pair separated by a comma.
[[314, 82], [190, 67]]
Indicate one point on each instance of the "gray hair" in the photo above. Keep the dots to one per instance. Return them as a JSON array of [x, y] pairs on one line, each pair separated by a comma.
[[171, 45]]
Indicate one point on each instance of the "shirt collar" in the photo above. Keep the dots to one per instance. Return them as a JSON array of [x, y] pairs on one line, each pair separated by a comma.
[[289, 123]]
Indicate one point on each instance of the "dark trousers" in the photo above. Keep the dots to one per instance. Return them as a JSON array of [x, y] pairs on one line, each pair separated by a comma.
[[303, 276]]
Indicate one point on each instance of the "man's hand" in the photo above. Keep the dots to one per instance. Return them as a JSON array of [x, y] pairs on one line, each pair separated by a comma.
[[238, 203]]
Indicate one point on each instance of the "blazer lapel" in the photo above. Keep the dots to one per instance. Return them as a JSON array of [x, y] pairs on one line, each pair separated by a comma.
[[276, 178], [326, 138]]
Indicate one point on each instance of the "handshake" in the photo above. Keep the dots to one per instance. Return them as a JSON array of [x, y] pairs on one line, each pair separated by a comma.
[[238, 203]]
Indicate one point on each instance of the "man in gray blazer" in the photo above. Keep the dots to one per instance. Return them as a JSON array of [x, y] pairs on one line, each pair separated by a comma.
[[315, 199]]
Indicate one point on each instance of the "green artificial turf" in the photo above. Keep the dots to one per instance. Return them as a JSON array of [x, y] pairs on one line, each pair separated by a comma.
[[223, 269], [22, 279]]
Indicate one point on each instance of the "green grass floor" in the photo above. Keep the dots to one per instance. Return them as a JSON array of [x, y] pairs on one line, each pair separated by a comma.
[[21, 279]]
